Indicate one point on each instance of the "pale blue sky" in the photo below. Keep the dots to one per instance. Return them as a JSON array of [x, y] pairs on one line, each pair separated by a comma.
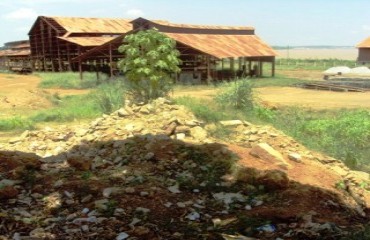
[[284, 22]]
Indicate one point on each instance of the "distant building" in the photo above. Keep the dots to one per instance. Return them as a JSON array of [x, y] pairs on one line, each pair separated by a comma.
[[91, 44], [207, 52], [364, 51], [56, 40], [15, 56]]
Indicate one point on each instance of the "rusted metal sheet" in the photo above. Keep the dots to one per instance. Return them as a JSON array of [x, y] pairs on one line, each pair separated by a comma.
[[14, 53], [364, 44], [169, 24], [23, 45], [225, 46], [93, 25], [88, 41]]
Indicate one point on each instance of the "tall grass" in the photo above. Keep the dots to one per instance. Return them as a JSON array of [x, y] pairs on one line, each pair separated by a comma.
[[344, 134], [70, 80], [109, 97], [18, 123]]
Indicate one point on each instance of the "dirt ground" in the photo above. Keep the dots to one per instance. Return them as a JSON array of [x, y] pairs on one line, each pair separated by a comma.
[[20, 92], [290, 96]]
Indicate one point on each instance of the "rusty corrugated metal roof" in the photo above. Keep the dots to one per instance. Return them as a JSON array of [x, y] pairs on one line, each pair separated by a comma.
[[88, 41], [364, 44], [23, 45], [166, 23], [13, 53], [225, 46], [93, 25]]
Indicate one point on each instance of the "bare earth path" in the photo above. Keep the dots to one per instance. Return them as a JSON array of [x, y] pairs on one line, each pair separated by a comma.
[[290, 96]]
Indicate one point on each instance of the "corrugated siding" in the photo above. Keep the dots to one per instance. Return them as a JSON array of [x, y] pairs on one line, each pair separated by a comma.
[[88, 41], [93, 25], [225, 46]]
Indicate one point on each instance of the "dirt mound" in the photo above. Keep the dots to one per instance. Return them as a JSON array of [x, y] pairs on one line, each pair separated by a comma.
[[154, 172]]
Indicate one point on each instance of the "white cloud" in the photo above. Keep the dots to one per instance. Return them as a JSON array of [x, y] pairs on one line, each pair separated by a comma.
[[22, 13], [135, 13]]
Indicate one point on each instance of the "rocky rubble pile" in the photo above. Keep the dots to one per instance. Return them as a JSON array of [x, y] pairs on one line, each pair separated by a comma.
[[153, 172]]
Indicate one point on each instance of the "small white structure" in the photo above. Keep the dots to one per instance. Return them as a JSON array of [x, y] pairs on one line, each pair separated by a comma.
[[337, 71], [360, 71]]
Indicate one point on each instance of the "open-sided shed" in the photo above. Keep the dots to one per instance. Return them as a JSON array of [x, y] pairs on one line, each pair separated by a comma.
[[205, 50], [56, 40], [16, 56]]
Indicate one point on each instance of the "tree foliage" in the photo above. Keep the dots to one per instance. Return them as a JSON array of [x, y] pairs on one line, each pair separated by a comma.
[[150, 59]]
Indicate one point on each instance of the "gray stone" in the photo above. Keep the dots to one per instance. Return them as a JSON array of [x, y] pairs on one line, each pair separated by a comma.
[[198, 133], [295, 157], [269, 154], [231, 123]]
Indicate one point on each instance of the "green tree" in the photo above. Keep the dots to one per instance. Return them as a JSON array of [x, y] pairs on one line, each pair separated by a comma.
[[150, 60]]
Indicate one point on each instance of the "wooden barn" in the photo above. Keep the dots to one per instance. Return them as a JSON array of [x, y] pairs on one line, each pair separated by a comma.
[[15, 56], [56, 40], [207, 52], [364, 52]]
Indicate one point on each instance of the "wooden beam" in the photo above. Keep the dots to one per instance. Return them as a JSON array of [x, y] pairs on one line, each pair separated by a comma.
[[273, 68], [222, 69], [51, 55], [69, 58], [80, 65], [232, 66], [260, 68], [43, 45], [80, 70], [209, 77], [110, 60]]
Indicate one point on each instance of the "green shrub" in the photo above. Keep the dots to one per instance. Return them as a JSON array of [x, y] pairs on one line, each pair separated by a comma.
[[150, 59], [70, 80], [109, 97], [238, 95]]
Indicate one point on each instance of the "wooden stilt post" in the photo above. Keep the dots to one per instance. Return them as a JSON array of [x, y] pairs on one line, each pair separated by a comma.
[[209, 77], [273, 68], [110, 60], [69, 58], [249, 67], [80, 69], [80, 64], [43, 45], [51, 53], [260, 64], [222, 68], [60, 66], [232, 67]]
